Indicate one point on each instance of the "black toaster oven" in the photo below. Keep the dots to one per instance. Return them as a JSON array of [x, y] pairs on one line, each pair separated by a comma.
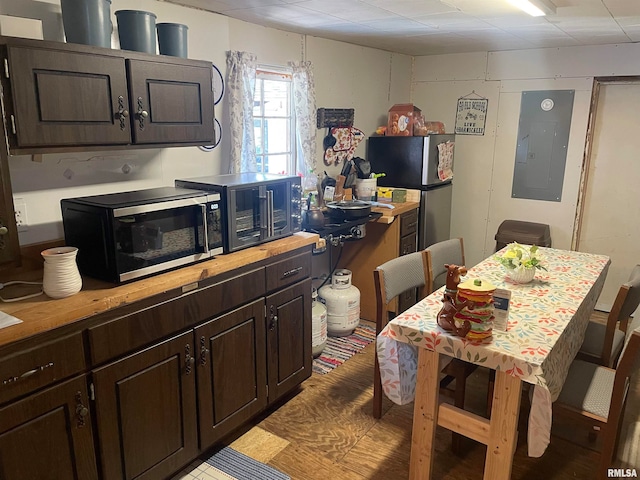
[[256, 207]]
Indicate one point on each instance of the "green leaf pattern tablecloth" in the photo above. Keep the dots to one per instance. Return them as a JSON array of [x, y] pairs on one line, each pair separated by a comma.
[[547, 322]]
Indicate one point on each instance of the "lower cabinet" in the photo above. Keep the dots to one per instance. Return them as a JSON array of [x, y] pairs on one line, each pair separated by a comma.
[[289, 353], [231, 371], [151, 407], [382, 243], [146, 411], [48, 435], [147, 414]]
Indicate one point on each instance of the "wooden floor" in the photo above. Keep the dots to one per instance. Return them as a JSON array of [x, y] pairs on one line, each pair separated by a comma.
[[326, 431]]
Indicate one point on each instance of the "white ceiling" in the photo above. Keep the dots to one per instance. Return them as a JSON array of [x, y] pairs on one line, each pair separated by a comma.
[[430, 27]]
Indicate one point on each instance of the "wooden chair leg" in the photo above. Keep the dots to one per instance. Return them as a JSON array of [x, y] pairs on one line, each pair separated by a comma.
[[608, 450], [377, 390]]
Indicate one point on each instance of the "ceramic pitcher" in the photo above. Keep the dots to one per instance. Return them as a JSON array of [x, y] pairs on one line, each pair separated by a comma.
[[61, 276]]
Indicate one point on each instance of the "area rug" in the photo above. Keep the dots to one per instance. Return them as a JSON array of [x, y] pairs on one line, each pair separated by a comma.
[[341, 349], [242, 467]]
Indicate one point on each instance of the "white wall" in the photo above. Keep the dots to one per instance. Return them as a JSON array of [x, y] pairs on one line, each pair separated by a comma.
[[484, 164], [346, 76]]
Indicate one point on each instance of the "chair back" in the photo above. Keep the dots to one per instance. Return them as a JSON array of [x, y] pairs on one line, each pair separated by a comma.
[[391, 279], [631, 298], [399, 275], [629, 361], [441, 253], [626, 302]]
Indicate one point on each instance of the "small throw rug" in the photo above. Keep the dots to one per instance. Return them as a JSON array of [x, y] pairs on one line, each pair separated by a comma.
[[340, 349], [242, 467]]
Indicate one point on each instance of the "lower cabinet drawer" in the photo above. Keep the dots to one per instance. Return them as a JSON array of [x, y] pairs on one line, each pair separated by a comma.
[[409, 223], [36, 367], [408, 244], [288, 272], [129, 332]]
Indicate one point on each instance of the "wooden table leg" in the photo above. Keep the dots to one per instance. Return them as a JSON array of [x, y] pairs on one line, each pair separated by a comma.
[[425, 416], [503, 430]]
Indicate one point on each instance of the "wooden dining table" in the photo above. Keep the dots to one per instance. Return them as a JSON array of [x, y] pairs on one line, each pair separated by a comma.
[[548, 318]]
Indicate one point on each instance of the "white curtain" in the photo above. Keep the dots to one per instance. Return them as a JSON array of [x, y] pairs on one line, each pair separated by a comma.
[[304, 101], [241, 84]]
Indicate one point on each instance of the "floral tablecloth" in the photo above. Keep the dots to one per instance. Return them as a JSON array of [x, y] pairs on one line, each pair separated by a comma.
[[547, 322]]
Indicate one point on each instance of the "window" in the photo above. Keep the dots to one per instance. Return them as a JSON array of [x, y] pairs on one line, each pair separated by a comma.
[[273, 123]]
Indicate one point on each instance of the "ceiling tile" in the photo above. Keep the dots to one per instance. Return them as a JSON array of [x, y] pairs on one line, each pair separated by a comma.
[[427, 27], [622, 8], [397, 24]]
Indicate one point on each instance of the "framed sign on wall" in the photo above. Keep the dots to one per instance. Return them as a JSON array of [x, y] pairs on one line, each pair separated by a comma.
[[471, 114]]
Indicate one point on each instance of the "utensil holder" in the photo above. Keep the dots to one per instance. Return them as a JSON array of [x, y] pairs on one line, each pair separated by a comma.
[[61, 276], [366, 189]]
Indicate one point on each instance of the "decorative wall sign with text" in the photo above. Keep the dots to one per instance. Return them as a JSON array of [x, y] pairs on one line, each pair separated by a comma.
[[471, 114]]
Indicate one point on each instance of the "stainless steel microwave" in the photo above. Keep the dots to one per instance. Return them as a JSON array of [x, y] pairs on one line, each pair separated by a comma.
[[122, 236], [256, 207]]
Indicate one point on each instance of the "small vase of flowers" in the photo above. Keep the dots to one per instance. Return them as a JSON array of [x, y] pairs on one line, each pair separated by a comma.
[[520, 262]]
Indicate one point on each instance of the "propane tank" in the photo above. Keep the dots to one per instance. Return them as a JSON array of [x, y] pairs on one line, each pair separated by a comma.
[[343, 304], [318, 325]]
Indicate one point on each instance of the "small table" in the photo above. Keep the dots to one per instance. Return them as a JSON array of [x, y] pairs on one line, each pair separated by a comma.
[[547, 323]]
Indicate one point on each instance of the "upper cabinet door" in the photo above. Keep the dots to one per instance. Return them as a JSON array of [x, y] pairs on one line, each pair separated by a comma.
[[170, 103], [63, 98]]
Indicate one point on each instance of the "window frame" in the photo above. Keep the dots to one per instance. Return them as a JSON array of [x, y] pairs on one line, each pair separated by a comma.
[[286, 76]]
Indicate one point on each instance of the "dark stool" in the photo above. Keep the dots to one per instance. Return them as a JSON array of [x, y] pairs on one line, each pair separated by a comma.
[[527, 233]]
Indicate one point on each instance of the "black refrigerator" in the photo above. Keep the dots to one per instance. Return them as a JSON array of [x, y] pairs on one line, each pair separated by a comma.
[[419, 163]]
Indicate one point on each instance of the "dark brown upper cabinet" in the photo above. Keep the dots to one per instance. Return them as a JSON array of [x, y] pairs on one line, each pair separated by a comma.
[[67, 96], [177, 99]]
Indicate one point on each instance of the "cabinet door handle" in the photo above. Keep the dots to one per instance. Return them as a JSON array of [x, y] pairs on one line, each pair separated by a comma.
[[293, 271], [273, 318], [81, 410], [188, 359], [204, 351], [27, 373], [122, 113], [141, 114]]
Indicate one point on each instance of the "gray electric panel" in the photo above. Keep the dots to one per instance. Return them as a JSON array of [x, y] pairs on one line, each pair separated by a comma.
[[543, 138]]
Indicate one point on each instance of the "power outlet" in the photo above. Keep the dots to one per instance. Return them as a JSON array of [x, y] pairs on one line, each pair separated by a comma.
[[21, 217]]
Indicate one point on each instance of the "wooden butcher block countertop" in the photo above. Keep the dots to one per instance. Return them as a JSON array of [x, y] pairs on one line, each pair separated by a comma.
[[41, 314], [389, 214]]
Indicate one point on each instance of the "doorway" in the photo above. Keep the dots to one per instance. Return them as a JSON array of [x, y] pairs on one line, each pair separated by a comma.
[[608, 217]]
